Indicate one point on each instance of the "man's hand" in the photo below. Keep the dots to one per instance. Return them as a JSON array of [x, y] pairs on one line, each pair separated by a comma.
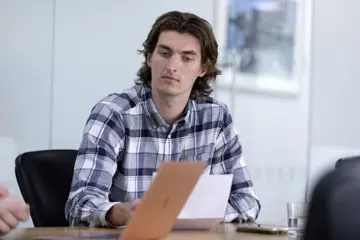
[[3, 191], [12, 211], [121, 213]]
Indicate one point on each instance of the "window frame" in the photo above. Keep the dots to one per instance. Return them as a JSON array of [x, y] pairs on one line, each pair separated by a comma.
[[278, 86]]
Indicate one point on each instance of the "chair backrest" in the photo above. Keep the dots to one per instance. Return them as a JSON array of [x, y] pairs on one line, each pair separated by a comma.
[[44, 178], [334, 213], [317, 226], [351, 160]]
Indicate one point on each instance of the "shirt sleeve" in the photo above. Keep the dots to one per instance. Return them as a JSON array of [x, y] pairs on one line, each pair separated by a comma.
[[244, 205], [96, 163]]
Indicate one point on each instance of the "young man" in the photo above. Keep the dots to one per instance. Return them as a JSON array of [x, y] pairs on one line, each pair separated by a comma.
[[167, 116], [13, 210]]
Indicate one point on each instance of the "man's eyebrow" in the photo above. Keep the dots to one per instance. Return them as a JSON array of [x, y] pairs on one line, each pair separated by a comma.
[[188, 52], [165, 47]]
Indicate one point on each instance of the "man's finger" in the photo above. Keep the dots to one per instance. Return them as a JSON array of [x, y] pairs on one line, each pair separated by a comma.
[[20, 209], [23, 212], [3, 191], [135, 204], [10, 220], [4, 228]]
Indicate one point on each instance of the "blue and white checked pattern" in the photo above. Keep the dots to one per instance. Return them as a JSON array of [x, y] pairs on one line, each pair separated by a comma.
[[125, 141]]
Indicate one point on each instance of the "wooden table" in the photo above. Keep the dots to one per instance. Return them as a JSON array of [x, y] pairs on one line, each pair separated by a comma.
[[224, 232]]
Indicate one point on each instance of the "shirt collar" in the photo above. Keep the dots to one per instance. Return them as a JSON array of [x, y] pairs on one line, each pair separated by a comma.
[[154, 116]]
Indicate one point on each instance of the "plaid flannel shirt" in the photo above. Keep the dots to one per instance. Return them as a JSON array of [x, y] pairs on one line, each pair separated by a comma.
[[125, 140]]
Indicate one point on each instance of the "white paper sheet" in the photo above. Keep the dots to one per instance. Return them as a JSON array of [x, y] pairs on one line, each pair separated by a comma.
[[207, 203], [209, 198]]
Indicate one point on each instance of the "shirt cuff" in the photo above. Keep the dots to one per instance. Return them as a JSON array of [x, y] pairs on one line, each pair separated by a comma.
[[103, 211]]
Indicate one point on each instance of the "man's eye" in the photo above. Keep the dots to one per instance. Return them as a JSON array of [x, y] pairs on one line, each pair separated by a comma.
[[187, 59], [164, 54]]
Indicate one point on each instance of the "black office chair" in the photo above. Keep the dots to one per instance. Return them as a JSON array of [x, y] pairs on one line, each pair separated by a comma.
[[44, 178], [351, 160], [317, 226], [334, 213]]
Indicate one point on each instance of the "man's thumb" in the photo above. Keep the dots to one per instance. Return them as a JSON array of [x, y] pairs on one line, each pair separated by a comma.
[[135, 204], [3, 191]]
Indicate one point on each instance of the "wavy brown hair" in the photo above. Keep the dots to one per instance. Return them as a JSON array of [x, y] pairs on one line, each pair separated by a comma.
[[189, 23]]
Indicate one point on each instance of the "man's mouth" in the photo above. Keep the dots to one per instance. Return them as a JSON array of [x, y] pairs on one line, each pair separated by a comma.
[[171, 78]]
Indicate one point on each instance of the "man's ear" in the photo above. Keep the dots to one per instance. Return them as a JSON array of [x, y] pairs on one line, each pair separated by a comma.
[[203, 71], [148, 60]]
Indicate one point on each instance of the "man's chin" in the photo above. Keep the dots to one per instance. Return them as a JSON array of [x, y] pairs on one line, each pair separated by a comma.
[[168, 91]]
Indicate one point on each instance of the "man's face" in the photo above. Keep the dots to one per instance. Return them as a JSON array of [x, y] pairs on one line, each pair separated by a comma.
[[175, 63]]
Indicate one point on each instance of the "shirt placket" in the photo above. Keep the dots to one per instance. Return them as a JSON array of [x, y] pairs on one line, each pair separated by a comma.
[[169, 148]]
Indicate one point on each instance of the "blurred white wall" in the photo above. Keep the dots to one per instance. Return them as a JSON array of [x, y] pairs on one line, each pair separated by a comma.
[[335, 114], [26, 29]]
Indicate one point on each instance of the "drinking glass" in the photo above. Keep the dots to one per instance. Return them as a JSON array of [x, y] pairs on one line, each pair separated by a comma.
[[297, 214]]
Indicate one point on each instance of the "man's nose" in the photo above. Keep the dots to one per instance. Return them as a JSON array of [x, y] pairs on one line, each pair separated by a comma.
[[173, 63]]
